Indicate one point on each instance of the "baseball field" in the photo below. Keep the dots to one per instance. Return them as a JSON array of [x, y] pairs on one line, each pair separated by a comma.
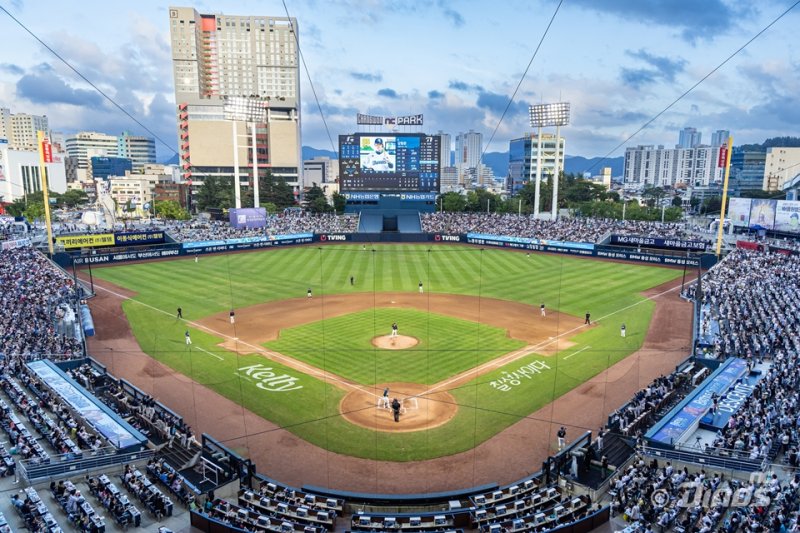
[[473, 355]]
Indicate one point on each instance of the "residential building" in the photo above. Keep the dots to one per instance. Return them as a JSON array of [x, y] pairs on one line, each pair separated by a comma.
[[320, 170], [220, 59], [140, 150], [720, 137], [688, 138], [747, 170], [105, 167], [448, 178], [21, 129], [780, 166], [647, 165], [137, 191], [523, 159], [445, 155], [86, 144], [468, 153], [20, 173], [176, 192]]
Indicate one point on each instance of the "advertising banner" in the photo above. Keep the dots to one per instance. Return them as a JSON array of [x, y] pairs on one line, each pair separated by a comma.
[[739, 212], [71, 242], [651, 242], [376, 120], [134, 238], [248, 217], [762, 213], [787, 216]]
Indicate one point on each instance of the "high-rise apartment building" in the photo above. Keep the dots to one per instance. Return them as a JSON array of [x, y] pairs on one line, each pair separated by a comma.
[[523, 159], [320, 170], [667, 167], [217, 58], [446, 146], [140, 150], [468, 153], [87, 144], [20, 130], [720, 137], [689, 138]]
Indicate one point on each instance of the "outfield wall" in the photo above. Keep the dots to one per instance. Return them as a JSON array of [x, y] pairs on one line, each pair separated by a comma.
[[254, 243]]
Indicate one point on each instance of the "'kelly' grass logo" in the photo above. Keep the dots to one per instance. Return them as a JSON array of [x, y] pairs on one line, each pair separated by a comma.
[[268, 380]]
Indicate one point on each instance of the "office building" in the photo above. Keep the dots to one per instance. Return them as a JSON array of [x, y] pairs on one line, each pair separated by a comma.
[[20, 173], [105, 167], [688, 138], [468, 153], [320, 170], [648, 165], [780, 166], [747, 170], [217, 58], [445, 155], [87, 144], [720, 137], [448, 178], [20, 130], [523, 159], [140, 150]]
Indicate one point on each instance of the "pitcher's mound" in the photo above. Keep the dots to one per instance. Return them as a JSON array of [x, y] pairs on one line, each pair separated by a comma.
[[401, 342], [421, 409]]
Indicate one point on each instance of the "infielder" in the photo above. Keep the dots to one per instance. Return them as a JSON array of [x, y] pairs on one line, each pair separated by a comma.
[[188, 338], [541, 307]]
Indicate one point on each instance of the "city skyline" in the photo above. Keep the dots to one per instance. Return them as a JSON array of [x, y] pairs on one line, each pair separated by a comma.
[[616, 73]]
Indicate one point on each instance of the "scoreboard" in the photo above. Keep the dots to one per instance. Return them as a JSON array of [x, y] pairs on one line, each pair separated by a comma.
[[389, 162]]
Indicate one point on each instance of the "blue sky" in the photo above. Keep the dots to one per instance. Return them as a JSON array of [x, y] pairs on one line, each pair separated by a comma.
[[618, 62]]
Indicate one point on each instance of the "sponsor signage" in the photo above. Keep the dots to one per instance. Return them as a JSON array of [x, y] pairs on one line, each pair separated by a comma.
[[528, 241], [10, 245], [376, 120], [332, 237], [723, 156], [248, 242], [47, 151], [136, 238], [418, 197], [266, 379], [739, 212], [762, 213], [651, 242], [362, 195], [446, 238], [86, 241], [248, 217], [787, 216]]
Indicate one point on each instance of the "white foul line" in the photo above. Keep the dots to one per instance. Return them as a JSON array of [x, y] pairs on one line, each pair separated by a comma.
[[575, 353], [209, 353], [325, 376]]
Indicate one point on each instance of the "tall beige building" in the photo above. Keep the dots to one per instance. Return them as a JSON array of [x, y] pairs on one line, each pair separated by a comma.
[[20, 129], [217, 58], [782, 164]]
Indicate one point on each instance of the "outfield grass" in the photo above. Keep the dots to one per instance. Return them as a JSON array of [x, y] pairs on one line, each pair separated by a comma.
[[447, 346], [218, 283]]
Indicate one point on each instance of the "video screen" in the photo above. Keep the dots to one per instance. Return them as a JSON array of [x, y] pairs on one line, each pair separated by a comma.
[[389, 162]]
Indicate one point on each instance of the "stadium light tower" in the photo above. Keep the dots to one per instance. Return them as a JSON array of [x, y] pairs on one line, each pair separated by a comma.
[[542, 116], [251, 110]]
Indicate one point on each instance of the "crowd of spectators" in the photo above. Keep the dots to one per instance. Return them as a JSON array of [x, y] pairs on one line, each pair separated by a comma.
[[589, 230], [659, 498], [754, 299], [32, 290], [281, 224]]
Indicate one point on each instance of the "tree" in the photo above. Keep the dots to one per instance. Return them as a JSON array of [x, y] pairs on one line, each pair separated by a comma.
[[654, 195], [581, 190], [275, 190], [216, 191], [34, 210], [73, 198], [677, 201], [613, 196], [171, 210], [339, 203], [314, 200], [453, 202]]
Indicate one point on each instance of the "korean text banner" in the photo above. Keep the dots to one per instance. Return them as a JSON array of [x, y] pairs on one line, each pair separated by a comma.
[[787, 216], [86, 241], [248, 217]]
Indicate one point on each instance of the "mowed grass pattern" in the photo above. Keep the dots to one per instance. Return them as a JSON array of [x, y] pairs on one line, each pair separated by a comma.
[[218, 283], [342, 345]]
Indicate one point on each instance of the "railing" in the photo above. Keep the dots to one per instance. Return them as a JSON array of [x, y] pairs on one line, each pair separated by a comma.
[[706, 460], [61, 465]]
